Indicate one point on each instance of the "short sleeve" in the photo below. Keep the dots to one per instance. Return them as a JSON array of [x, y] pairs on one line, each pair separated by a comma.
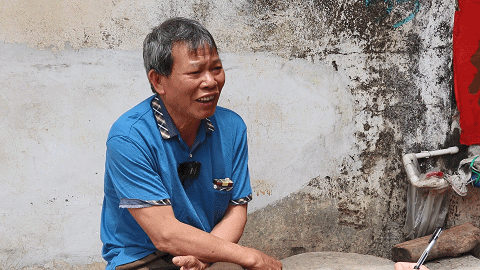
[[132, 173], [242, 192]]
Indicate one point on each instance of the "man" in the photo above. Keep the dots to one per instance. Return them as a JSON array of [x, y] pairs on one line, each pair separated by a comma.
[[176, 175]]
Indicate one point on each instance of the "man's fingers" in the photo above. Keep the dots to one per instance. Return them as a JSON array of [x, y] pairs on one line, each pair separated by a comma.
[[181, 260], [187, 261]]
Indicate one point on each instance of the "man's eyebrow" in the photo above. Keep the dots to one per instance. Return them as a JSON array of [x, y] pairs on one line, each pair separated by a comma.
[[199, 63]]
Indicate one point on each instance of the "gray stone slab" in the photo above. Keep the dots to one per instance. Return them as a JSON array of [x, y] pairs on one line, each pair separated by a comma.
[[334, 261], [466, 262], [354, 261], [317, 261]]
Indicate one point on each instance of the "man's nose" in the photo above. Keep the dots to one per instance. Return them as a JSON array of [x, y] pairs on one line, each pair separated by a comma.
[[209, 80]]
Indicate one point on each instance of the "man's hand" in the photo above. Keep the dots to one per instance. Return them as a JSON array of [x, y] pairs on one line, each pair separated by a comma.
[[407, 266], [264, 262], [177, 238], [189, 263]]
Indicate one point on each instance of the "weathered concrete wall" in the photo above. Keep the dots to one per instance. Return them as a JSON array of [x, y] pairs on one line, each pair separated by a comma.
[[333, 93]]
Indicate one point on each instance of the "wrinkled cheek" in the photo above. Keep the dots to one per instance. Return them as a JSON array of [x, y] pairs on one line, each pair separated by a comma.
[[221, 81]]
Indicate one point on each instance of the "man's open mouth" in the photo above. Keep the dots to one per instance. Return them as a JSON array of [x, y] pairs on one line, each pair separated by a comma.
[[206, 99]]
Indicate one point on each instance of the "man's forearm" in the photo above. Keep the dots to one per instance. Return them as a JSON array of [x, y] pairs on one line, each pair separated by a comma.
[[177, 238], [233, 223], [187, 240]]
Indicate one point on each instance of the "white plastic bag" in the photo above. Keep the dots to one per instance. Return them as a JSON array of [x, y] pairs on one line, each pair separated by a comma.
[[468, 172], [427, 203]]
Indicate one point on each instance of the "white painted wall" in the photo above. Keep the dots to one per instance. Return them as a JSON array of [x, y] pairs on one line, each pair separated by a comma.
[[298, 116], [57, 108]]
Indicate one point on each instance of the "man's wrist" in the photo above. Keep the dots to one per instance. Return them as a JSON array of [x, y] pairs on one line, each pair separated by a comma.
[[249, 257]]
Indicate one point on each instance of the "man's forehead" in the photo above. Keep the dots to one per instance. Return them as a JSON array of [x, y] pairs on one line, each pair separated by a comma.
[[202, 49]]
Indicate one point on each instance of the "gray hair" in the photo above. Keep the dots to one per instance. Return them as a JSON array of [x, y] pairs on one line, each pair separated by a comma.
[[157, 46]]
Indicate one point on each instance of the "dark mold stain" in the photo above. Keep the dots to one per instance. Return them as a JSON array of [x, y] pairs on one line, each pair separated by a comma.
[[51, 66], [111, 41], [329, 21], [334, 64], [268, 5], [444, 30], [343, 212]]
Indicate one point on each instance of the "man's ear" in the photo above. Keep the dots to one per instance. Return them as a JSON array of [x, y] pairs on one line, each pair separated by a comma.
[[155, 81]]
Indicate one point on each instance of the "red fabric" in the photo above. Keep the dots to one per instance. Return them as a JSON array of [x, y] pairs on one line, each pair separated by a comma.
[[466, 65]]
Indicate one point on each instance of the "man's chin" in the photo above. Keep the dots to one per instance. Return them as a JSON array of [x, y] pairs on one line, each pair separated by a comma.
[[210, 114]]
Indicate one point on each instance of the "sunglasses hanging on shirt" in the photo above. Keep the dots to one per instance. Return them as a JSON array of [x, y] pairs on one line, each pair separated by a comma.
[[188, 170]]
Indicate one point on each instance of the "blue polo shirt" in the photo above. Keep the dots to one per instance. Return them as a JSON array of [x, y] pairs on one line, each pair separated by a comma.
[[144, 150]]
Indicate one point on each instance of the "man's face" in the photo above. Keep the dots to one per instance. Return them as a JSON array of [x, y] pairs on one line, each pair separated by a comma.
[[192, 90]]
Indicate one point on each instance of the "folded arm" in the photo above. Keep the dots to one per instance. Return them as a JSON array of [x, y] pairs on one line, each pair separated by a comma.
[[177, 238], [230, 228]]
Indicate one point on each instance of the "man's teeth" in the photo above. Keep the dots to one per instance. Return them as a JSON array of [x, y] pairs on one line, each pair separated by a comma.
[[206, 99]]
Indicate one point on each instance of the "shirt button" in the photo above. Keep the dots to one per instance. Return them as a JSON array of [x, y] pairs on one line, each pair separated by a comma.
[[191, 155]]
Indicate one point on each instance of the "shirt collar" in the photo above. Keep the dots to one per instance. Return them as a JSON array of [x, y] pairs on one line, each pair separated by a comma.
[[165, 123]]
